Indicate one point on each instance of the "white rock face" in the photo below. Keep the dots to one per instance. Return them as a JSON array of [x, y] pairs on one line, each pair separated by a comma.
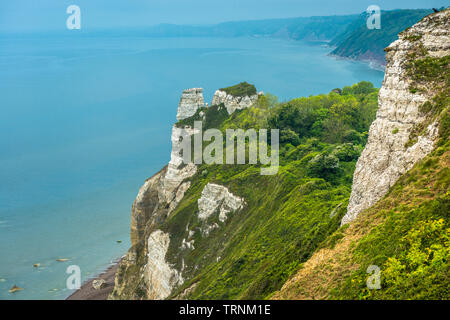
[[190, 101], [164, 188], [215, 197], [385, 157], [159, 276], [233, 103]]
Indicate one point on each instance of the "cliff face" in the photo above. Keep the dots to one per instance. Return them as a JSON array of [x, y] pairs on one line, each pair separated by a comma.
[[391, 150]]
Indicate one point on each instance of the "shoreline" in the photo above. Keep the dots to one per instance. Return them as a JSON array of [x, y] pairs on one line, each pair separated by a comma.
[[372, 63], [87, 291]]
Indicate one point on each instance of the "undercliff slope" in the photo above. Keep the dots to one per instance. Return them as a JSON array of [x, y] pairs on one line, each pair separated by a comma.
[[397, 220]]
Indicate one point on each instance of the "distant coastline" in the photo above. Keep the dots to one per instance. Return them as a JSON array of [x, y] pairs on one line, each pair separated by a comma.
[[87, 291]]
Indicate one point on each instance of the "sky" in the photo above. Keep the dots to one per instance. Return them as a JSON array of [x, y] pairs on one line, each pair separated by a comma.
[[29, 15]]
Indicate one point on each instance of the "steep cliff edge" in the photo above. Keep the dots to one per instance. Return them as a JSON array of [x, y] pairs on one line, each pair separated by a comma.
[[391, 149], [395, 241]]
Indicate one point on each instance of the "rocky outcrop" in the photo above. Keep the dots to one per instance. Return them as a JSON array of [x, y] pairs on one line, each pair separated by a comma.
[[159, 275], [389, 153], [231, 102], [190, 101]]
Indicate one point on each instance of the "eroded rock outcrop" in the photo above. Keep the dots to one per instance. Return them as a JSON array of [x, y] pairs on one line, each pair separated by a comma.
[[391, 151], [232, 102], [217, 198]]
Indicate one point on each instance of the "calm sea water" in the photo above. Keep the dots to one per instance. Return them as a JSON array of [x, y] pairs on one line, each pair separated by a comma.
[[85, 120]]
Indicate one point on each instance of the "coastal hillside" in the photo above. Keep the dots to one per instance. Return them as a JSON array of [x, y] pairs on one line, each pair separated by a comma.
[[397, 221], [360, 43], [341, 199]]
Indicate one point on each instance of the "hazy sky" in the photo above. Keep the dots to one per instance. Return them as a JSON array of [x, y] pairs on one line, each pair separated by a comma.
[[16, 15]]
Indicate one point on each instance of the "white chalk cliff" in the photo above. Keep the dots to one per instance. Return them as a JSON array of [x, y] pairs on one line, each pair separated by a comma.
[[387, 155]]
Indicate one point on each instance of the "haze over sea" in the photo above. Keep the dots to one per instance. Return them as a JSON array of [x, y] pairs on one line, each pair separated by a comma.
[[86, 119]]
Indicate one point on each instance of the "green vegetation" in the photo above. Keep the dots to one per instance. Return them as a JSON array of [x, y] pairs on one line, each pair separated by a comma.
[[430, 69], [332, 118], [211, 117], [241, 90], [287, 215]]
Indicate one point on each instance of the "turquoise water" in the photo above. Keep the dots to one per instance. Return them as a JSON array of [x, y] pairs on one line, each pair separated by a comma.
[[86, 119]]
